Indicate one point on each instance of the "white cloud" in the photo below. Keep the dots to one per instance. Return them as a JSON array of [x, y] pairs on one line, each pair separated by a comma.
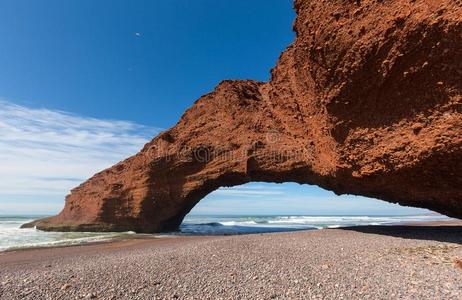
[[48, 152], [250, 190]]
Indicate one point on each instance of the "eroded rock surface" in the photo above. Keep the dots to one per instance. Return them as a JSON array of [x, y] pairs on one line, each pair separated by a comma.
[[366, 101]]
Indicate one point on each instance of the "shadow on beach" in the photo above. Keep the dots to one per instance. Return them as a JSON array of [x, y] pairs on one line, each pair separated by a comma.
[[448, 234]]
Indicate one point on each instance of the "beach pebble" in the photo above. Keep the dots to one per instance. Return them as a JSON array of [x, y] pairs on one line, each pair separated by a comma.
[[90, 296]]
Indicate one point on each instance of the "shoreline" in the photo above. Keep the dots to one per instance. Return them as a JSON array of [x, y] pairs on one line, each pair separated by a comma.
[[160, 236]]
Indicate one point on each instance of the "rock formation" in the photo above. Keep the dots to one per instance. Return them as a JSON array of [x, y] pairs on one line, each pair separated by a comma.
[[366, 101]]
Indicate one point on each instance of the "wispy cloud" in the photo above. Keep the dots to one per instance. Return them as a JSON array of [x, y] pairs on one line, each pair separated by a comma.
[[47, 152], [250, 191]]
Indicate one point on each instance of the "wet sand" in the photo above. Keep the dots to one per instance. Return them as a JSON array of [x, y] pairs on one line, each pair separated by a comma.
[[369, 262]]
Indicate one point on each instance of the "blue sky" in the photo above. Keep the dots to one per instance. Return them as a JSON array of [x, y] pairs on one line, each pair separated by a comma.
[[86, 83]]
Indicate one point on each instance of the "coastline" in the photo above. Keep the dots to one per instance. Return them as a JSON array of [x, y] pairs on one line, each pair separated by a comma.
[[14, 238], [379, 262], [160, 239]]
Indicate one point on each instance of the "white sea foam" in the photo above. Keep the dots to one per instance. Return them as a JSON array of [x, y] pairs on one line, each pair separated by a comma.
[[237, 223], [12, 237]]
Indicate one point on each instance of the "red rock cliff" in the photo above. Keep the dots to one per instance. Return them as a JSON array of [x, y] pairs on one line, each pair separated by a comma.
[[366, 101]]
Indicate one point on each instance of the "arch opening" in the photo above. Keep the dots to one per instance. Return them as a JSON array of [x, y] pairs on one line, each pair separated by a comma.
[[260, 207]]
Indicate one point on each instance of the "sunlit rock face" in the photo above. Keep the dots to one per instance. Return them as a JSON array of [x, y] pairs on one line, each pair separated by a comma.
[[366, 101]]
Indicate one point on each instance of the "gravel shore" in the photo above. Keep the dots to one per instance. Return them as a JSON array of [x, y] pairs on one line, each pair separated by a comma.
[[411, 262]]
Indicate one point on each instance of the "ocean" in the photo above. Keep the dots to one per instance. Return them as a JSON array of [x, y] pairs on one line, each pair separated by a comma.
[[12, 237]]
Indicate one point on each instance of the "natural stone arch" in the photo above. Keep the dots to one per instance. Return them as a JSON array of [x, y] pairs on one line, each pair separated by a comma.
[[337, 113]]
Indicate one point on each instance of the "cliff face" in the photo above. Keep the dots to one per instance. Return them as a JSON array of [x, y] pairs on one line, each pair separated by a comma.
[[366, 101]]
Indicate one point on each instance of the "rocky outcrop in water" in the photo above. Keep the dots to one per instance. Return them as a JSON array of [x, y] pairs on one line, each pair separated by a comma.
[[366, 101]]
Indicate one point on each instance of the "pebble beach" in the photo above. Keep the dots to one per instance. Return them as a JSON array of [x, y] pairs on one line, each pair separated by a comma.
[[371, 262]]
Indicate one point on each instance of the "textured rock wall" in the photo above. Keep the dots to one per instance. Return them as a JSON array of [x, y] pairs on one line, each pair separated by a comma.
[[366, 101]]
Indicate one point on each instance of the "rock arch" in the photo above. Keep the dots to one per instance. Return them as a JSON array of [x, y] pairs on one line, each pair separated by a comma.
[[366, 101]]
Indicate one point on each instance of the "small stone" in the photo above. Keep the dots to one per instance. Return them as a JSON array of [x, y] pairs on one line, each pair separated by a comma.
[[325, 267], [440, 83], [417, 127], [66, 286], [90, 296]]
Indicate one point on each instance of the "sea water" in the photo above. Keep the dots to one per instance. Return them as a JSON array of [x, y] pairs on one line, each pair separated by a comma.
[[222, 225], [12, 237]]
